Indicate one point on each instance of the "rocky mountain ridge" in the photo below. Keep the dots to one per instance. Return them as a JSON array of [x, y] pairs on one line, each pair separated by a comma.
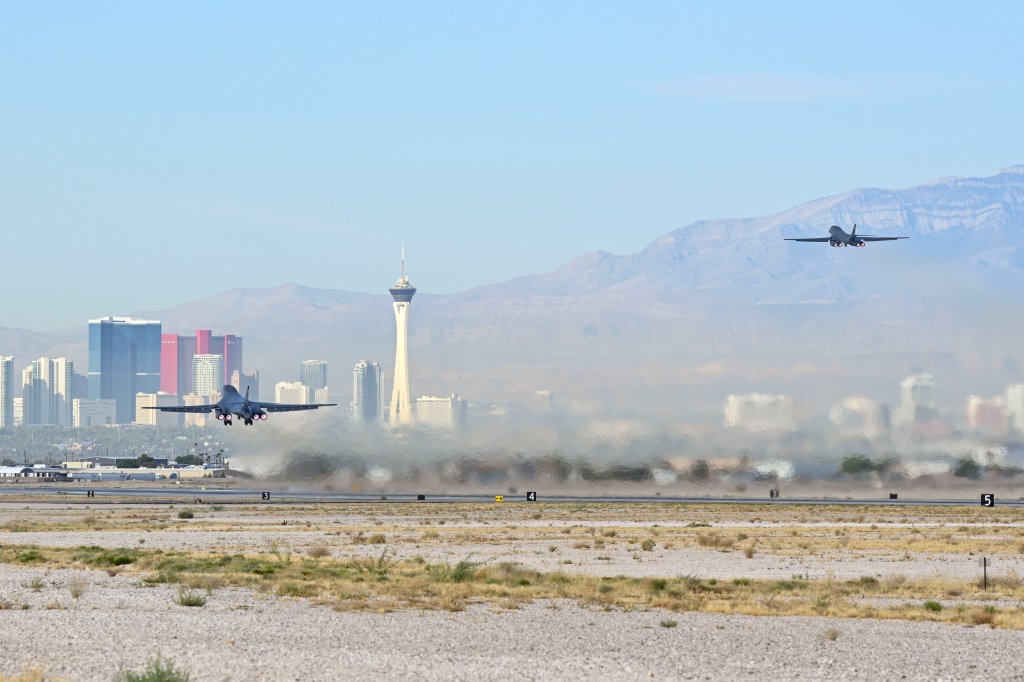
[[725, 294]]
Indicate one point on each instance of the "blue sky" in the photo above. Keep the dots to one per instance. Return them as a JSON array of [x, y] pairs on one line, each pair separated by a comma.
[[151, 153]]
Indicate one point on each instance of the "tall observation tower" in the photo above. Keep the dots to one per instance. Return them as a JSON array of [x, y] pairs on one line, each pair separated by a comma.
[[401, 406]]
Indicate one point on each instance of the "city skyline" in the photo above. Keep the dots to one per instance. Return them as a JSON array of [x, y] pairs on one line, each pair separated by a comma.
[[678, 274]]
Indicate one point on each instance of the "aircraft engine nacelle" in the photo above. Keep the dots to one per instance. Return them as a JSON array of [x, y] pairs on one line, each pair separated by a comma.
[[833, 243], [862, 244]]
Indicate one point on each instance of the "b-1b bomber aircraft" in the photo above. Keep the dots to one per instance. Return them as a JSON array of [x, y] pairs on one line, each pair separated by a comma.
[[233, 404], [837, 237]]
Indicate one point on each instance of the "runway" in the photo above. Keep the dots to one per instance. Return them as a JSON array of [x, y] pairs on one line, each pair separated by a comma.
[[81, 493]]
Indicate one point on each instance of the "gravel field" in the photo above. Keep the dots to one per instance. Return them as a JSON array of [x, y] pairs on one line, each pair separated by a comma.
[[118, 623]]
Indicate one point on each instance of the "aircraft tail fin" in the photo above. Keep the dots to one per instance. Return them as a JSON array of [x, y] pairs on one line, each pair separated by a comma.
[[247, 393], [854, 233]]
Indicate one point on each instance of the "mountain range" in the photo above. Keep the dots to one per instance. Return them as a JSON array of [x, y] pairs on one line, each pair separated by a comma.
[[714, 307]]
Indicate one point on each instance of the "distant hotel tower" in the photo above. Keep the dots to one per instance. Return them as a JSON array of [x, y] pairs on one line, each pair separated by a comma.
[[366, 394], [401, 406]]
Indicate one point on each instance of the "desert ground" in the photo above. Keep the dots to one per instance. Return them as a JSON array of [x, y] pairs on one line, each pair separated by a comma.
[[96, 589]]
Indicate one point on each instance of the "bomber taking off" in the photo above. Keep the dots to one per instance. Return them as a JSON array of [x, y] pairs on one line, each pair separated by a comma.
[[837, 236], [233, 404]]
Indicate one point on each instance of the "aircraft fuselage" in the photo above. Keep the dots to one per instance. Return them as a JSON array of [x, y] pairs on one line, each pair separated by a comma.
[[839, 237], [233, 404]]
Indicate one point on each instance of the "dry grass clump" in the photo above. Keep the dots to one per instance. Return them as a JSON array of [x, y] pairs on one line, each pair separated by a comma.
[[715, 540], [77, 586], [318, 551]]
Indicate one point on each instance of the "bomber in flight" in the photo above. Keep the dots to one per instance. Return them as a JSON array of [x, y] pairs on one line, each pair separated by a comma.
[[234, 404], [837, 237]]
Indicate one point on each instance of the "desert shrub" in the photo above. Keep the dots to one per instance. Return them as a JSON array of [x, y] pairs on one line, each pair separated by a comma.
[[647, 545], [191, 598], [865, 581], [158, 669], [186, 514], [786, 585], [933, 606], [77, 586], [984, 616]]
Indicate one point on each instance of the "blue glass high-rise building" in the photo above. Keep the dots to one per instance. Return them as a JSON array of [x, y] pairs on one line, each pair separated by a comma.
[[124, 359]]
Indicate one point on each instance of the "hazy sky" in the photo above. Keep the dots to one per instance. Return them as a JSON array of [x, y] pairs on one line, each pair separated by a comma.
[[151, 153]]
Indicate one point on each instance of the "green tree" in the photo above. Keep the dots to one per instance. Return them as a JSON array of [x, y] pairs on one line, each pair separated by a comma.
[[967, 468], [127, 463], [700, 470], [857, 464], [188, 459], [145, 461]]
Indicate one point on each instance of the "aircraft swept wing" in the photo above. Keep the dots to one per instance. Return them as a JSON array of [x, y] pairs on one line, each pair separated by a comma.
[[234, 404], [191, 409], [837, 236]]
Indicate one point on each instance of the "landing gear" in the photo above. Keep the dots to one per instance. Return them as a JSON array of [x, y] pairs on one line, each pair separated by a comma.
[[227, 420], [248, 422]]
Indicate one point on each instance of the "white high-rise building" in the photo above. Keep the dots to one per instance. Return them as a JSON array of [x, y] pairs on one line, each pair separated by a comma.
[[46, 392], [313, 375], [444, 412], [150, 417], [401, 404], [93, 412], [207, 374], [62, 373], [366, 394], [857, 416], [294, 392], [917, 400], [760, 412], [6, 392], [1014, 397], [35, 394]]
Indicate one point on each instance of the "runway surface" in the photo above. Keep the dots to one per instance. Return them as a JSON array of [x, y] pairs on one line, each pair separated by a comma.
[[80, 492]]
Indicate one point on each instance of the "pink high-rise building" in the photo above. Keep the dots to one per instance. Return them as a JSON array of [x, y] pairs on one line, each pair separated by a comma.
[[169, 363], [176, 353]]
